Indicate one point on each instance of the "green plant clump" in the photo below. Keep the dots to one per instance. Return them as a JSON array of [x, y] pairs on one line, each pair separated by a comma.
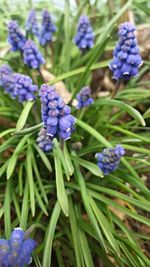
[[74, 139]]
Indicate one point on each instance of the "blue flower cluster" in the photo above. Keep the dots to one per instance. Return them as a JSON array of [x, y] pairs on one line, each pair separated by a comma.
[[17, 250], [84, 38], [24, 89], [44, 141], [127, 60], [55, 114], [84, 97], [17, 85], [109, 159], [47, 28], [32, 56], [31, 23], [5, 71], [15, 37]]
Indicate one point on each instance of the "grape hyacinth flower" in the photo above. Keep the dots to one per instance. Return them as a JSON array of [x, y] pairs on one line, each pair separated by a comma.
[[84, 38], [44, 141], [55, 114], [31, 23], [84, 97], [5, 70], [32, 56], [47, 28], [17, 250], [15, 37], [109, 159], [24, 88], [126, 59], [8, 84]]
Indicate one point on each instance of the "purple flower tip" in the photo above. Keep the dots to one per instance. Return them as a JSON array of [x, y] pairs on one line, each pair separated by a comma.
[[84, 97], [31, 23], [16, 251], [47, 29], [15, 37], [126, 59], [109, 159], [55, 114], [32, 56], [84, 38], [44, 141]]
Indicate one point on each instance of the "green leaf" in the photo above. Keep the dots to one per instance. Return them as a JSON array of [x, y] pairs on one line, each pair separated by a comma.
[[30, 179], [93, 132], [86, 201], [13, 159], [68, 160], [8, 131], [62, 158], [78, 71], [109, 202], [49, 236], [40, 201], [105, 226], [25, 207], [43, 157], [75, 234], [24, 115], [85, 249], [29, 130], [61, 193], [132, 111], [90, 166], [7, 215], [39, 179]]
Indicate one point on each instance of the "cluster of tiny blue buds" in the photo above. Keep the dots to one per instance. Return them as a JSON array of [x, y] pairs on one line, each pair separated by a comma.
[[84, 38], [18, 85], [16, 252], [15, 37], [55, 114], [109, 159], [24, 88], [5, 71], [31, 23], [32, 56], [44, 141], [126, 59], [47, 28], [7, 82], [84, 97]]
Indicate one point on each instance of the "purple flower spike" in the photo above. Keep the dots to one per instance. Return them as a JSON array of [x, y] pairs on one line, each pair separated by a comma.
[[31, 24], [5, 71], [16, 251], [84, 97], [44, 141], [55, 114], [109, 159], [47, 29], [32, 56], [24, 88], [8, 84], [126, 59], [84, 38], [15, 37], [19, 86]]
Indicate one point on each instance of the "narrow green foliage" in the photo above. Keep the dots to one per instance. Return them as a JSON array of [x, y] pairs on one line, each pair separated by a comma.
[[49, 235], [61, 193], [24, 115]]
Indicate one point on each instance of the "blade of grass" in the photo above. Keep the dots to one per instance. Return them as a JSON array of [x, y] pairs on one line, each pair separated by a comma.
[[49, 235], [24, 115], [61, 193]]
